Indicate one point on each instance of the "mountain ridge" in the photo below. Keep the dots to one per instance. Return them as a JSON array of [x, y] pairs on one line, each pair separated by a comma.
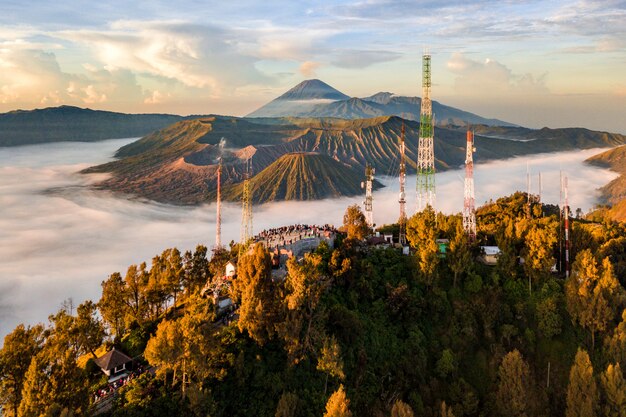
[[178, 164], [299, 102]]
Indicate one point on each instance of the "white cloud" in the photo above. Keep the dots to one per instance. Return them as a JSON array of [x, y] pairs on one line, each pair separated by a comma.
[[308, 68], [492, 78]]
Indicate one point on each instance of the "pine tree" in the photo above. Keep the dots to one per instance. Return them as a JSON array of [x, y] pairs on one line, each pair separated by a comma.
[[445, 410], [111, 305], [513, 396], [354, 223], [20, 346], [287, 405], [582, 396], [616, 344], [257, 294], [591, 294], [421, 231], [338, 404], [614, 389], [401, 409]]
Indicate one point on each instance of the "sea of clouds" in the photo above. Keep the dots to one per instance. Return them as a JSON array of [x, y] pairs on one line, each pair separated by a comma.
[[60, 239]]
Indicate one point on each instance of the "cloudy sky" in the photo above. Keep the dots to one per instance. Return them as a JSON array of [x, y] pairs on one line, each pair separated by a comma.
[[536, 63]]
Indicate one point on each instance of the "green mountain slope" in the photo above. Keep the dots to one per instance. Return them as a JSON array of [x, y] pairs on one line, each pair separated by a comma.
[[301, 176], [178, 164], [67, 123]]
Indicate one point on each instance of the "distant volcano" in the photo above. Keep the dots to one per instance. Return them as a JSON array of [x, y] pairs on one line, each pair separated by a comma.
[[301, 99], [315, 98], [313, 90]]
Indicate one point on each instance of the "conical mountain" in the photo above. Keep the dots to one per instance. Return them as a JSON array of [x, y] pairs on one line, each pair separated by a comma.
[[301, 99], [313, 90], [301, 176]]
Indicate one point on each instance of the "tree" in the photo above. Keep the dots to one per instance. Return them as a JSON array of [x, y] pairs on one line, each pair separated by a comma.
[[287, 405], [20, 346], [89, 327], [256, 291], [354, 223], [582, 396], [445, 410], [539, 241], [460, 255], [616, 344], [548, 317], [338, 404], [614, 388], [303, 288], [591, 295], [513, 396], [401, 409], [112, 305], [134, 294], [421, 231], [185, 348], [330, 361]]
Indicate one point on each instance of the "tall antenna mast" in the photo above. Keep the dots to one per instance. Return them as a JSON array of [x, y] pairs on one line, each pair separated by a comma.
[[469, 210], [566, 215], [529, 214], [369, 179], [425, 151], [402, 196], [540, 187], [218, 220], [246, 209]]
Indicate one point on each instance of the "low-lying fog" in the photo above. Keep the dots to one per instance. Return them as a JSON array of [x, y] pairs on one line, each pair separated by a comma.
[[59, 239]]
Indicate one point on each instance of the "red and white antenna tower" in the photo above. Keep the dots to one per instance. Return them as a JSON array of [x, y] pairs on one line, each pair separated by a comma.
[[218, 220], [369, 181], [566, 215], [402, 195], [469, 210]]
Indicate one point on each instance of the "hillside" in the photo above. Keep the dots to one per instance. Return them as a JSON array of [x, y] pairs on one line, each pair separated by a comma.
[[314, 98], [614, 192], [301, 176], [178, 164], [67, 123]]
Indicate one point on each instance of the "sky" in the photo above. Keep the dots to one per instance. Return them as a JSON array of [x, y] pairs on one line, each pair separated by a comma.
[[534, 63], [60, 239]]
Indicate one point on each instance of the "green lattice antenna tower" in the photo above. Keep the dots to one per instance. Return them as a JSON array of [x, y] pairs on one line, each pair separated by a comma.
[[425, 150]]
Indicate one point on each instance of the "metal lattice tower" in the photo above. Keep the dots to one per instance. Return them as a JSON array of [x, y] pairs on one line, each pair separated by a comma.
[[369, 180], [246, 207], [218, 220], [425, 151], [566, 216], [469, 209], [402, 195]]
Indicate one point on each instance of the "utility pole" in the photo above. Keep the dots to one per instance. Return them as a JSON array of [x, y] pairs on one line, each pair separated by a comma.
[[469, 210], [369, 180], [402, 196], [425, 151]]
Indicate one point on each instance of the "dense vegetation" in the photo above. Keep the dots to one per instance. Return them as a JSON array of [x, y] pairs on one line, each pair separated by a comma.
[[67, 123], [356, 330], [178, 164]]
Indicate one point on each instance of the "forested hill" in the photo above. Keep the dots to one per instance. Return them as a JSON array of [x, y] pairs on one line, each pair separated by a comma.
[[178, 164], [349, 331], [614, 193], [67, 123]]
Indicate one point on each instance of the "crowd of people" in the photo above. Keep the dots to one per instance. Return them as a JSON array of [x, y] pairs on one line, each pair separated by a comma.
[[287, 235], [112, 387]]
